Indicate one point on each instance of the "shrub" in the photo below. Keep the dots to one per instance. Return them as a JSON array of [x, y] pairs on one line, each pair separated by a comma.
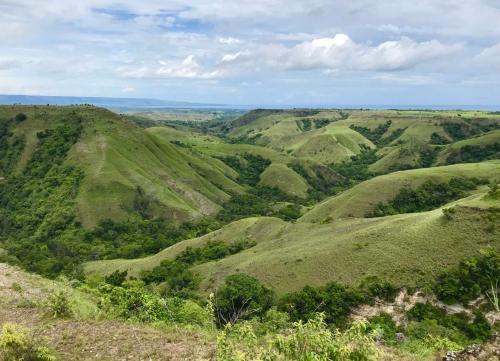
[[133, 303], [116, 278], [375, 287], [470, 279], [240, 298], [20, 117], [334, 300], [308, 341], [59, 305], [18, 344]]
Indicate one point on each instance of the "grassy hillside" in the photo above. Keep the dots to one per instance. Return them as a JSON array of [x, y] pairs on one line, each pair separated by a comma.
[[362, 198], [407, 249], [285, 179], [117, 158]]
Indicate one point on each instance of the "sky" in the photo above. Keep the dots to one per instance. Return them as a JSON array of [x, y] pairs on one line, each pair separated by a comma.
[[293, 52]]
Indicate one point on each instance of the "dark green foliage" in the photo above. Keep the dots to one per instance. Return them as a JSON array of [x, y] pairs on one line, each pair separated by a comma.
[[384, 323], [20, 117], [36, 207], [468, 128], [428, 156], [356, 169], [142, 203], [429, 195], [474, 153], [290, 212], [376, 287], [374, 135], [176, 273], [476, 328], [116, 278], [321, 122], [324, 181], [11, 147], [304, 124], [335, 300], [259, 201], [240, 298], [470, 279], [438, 139], [249, 169], [134, 239]]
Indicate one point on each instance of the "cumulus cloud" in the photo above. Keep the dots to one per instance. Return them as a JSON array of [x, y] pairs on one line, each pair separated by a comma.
[[340, 53]]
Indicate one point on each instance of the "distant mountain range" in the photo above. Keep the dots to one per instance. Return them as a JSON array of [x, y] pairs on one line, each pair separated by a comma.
[[106, 102]]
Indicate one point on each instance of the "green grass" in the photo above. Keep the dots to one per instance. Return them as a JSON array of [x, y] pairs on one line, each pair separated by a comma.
[[362, 198], [484, 139], [407, 249], [281, 177]]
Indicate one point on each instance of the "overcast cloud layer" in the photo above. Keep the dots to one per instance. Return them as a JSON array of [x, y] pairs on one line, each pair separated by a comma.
[[255, 52]]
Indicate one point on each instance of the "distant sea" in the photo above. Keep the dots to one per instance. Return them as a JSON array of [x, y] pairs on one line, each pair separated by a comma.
[[144, 104]]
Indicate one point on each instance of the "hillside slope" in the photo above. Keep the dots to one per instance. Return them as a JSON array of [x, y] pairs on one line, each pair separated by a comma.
[[88, 335], [406, 249], [362, 198], [117, 157]]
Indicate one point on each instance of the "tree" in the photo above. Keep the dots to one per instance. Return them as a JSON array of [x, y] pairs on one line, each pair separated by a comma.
[[241, 297]]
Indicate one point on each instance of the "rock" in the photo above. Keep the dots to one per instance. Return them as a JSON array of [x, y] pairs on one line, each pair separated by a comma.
[[400, 337], [470, 353]]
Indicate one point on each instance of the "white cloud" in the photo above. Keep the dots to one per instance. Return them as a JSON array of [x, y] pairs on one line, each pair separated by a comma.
[[128, 90], [188, 68], [341, 53]]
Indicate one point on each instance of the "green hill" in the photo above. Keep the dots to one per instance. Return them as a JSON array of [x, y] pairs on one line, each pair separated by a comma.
[[117, 158], [406, 249], [362, 198]]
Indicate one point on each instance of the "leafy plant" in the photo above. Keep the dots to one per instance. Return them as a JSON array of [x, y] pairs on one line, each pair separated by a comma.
[[17, 343], [240, 298]]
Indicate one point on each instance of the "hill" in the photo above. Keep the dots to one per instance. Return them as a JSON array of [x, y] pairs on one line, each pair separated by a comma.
[[117, 158], [406, 249], [360, 200]]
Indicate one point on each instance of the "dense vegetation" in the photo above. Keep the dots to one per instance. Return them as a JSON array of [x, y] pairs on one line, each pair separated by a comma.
[[473, 277], [176, 274], [11, 145], [428, 196], [474, 153]]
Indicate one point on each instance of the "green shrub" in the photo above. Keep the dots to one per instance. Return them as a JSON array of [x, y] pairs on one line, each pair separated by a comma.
[[132, 302], [241, 297], [470, 279], [428, 196], [375, 287], [59, 305], [18, 344], [308, 341], [116, 278], [384, 325], [20, 117], [334, 300]]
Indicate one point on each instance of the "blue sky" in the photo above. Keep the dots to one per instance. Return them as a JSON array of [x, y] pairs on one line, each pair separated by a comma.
[[255, 52]]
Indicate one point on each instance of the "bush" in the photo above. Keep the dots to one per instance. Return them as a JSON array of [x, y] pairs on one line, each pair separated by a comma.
[[334, 300], [59, 305], [116, 278], [132, 302], [375, 287], [20, 117], [470, 279], [308, 341], [17, 344], [241, 298]]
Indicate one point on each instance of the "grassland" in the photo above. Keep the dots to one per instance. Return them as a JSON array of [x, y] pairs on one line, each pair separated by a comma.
[[360, 199], [405, 249]]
